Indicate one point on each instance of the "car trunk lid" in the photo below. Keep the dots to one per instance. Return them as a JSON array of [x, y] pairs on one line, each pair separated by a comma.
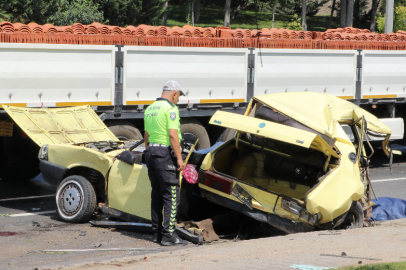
[[69, 125], [273, 131]]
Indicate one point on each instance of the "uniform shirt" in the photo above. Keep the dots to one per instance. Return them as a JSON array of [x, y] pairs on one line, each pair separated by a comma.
[[159, 117]]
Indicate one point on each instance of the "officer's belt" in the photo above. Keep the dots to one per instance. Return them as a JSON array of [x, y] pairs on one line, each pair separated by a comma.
[[157, 144]]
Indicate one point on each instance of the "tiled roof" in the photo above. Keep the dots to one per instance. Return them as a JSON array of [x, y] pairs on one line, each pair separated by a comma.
[[189, 36]]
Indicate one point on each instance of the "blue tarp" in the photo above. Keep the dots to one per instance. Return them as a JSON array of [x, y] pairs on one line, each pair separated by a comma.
[[386, 208], [207, 150]]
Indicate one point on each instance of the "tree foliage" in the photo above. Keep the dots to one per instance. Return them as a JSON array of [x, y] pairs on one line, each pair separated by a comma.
[[73, 11], [399, 16], [131, 12], [26, 11], [363, 15], [64, 12], [290, 7]]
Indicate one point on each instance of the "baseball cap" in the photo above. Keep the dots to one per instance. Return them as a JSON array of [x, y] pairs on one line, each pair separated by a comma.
[[173, 86]]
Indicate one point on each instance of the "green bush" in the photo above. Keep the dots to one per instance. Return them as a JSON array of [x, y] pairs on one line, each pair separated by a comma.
[[82, 11], [399, 16], [295, 24]]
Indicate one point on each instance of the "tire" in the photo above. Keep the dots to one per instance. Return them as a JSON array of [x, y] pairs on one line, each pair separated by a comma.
[[125, 131], [354, 218], [227, 135], [75, 199], [192, 129]]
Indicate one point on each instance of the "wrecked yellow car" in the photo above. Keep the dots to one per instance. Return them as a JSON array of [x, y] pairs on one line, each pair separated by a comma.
[[290, 163], [81, 157]]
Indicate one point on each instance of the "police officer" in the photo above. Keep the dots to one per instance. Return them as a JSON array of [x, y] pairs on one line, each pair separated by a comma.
[[164, 162]]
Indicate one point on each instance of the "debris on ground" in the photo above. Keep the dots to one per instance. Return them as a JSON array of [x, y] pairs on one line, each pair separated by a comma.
[[36, 224], [82, 233], [8, 233], [202, 228]]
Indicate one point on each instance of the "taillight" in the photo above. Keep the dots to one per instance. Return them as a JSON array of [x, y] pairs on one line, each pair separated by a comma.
[[216, 181]]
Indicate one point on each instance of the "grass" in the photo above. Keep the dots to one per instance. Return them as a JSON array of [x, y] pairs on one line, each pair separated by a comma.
[[380, 266], [213, 16]]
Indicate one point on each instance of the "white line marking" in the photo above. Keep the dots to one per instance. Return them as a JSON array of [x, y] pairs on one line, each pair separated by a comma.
[[387, 180], [33, 214]]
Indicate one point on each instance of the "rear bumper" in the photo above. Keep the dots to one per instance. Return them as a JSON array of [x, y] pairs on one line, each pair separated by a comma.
[[53, 174], [283, 224]]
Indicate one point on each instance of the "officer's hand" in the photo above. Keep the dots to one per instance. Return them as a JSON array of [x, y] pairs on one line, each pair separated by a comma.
[[181, 165]]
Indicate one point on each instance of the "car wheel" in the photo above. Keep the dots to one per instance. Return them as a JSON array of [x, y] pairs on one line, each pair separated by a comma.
[[192, 129], [354, 218], [75, 199], [125, 131]]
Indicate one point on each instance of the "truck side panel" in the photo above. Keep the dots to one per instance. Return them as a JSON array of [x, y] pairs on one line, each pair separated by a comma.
[[384, 74], [36, 75], [283, 70], [207, 75]]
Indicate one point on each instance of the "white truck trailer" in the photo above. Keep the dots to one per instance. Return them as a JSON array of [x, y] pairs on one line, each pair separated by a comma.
[[119, 82]]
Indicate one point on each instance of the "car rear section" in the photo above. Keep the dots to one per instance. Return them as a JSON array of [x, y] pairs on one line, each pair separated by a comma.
[[267, 186], [281, 172]]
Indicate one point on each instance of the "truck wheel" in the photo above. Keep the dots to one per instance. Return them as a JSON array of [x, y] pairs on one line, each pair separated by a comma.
[[354, 218], [227, 135], [125, 131], [192, 129], [75, 199]]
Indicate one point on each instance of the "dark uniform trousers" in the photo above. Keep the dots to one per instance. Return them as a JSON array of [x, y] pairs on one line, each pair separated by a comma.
[[164, 177]]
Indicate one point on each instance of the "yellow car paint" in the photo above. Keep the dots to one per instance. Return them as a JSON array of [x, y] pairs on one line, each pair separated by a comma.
[[129, 189], [61, 125], [272, 130], [320, 111], [335, 194], [71, 156]]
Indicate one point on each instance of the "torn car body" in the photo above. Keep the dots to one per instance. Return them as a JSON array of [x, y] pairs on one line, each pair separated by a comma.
[[290, 163]]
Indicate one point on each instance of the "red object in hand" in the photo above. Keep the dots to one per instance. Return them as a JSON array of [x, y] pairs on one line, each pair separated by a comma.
[[190, 174]]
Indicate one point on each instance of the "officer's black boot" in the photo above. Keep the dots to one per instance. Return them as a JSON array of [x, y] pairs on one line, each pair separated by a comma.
[[174, 240], [158, 238]]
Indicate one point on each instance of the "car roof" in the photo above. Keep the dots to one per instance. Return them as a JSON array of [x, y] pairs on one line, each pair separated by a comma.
[[321, 111]]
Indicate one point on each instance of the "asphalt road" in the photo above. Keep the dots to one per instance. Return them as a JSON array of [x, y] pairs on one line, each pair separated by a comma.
[[32, 208], [384, 183]]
